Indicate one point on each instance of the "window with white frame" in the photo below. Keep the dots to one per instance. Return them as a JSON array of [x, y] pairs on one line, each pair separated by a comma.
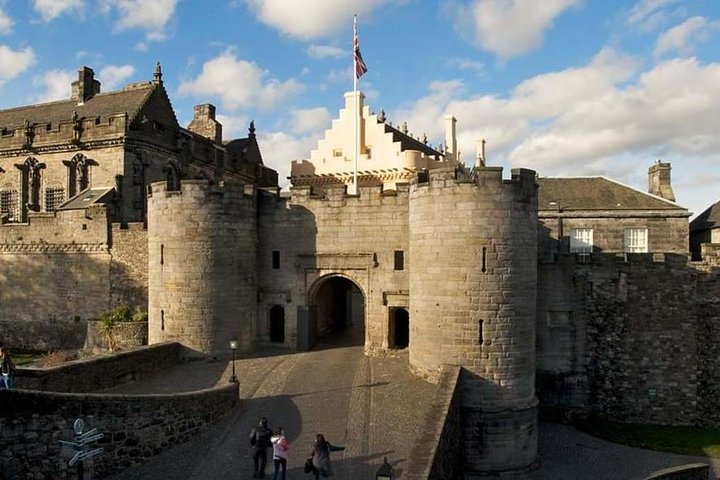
[[9, 204], [54, 196], [581, 240], [636, 240]]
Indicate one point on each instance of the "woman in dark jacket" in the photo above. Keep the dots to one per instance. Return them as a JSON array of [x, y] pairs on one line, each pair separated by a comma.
[[321, 456]]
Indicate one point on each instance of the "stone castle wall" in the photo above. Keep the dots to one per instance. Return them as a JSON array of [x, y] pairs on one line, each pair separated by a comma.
[[472, 305], [625, 348], [129, 266], [202, 272], [135, 428], [54, 276], [339, 234]]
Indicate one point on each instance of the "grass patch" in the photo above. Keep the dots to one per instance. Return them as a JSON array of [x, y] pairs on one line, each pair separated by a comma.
[[25, 359], [696, 441]]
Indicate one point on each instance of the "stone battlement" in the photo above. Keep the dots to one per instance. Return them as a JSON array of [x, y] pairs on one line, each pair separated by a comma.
[[41, 136]]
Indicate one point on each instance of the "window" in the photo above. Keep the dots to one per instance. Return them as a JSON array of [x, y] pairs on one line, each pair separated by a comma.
[[581, 240], [399, 260], [368, 151], [54, 196], [9, 204], [636, 240], [276, 259], [337, 152]]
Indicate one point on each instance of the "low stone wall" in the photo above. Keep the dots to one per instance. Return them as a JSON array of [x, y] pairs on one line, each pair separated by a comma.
[[126, 335], [100, 373], [135, 428], [693, 471], [438, 455]]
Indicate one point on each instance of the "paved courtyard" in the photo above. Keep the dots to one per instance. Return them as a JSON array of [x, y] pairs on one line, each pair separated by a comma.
[[372, 406]]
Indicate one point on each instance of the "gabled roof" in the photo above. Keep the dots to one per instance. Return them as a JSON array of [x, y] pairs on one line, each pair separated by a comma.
[[596, 193], [126, 101], [708, 219], [409, 143]]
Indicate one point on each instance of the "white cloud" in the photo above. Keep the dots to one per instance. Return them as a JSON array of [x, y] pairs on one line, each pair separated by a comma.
[[610, 117], [648, 14], [313, 18], [327, 51], [234, 126], [6, 22], [466, 64], [239, 84], [508, 28], [113, 76], [14, 62], [49, 10], [682, 37], [285, 148], [151, 16], [310, 120], [55, 85]]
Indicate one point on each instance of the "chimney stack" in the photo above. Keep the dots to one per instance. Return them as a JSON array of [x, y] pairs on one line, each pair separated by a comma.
[[480, 157], [204, 123], [451, 152], [659, 180], [85, 87]]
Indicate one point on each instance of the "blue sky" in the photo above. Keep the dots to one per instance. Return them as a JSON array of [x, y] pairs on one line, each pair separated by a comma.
[[565, 87]]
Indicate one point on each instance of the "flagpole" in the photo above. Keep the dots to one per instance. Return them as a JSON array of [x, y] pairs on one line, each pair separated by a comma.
[[357, 107]]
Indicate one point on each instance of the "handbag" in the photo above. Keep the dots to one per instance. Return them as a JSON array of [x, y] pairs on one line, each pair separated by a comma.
[[308, 465]]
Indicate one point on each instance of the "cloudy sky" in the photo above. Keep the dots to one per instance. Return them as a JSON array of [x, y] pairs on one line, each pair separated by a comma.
[[565, 87]]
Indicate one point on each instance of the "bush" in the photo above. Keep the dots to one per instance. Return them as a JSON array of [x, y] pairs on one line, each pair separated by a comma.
[[58, 357], [109, 321]]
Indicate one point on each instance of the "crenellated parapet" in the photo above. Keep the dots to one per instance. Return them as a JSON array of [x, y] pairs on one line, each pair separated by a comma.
[[62, 134]]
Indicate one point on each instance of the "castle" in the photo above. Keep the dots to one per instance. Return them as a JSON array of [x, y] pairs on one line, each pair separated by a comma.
[[575, 294]]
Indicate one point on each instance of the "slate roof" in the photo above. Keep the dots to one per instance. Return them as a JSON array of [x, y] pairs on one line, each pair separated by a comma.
[[595, 193], [88, 197], [409, 143], [708, 219], [128, 100]]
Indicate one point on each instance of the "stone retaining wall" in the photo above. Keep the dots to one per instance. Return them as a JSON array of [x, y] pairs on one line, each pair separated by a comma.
[[127, 335], [135, 428], [439, 454], [99, 373]]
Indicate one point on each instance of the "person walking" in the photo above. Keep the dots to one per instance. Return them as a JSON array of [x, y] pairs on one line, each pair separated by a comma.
[[280, 448], [7, 368], [260, 442], [321, 456]]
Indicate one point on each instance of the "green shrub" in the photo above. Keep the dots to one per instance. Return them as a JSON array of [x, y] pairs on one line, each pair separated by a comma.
[[109, 321]]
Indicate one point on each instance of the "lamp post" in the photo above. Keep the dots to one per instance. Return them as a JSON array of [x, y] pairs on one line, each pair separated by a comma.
[[385, 472], [233, 347]]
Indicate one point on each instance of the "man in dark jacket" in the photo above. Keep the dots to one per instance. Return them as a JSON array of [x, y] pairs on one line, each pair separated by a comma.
[[260, 441]]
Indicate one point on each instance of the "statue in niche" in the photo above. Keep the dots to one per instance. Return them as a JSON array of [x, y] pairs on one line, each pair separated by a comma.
[[34, 184], [77, 127], [28, 133]]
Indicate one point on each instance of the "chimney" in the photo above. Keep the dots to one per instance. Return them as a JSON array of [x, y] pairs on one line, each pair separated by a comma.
[[85, 87], [204, 123], [480, 156], [659, 180], [451, 152]]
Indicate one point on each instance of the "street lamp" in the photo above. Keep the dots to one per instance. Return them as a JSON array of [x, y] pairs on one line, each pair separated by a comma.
[[385, 472], [233, 347]]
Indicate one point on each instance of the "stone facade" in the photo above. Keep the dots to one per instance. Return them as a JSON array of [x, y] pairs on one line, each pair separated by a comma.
[[459, 266]]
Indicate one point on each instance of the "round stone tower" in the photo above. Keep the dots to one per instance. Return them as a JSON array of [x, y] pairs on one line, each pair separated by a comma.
[[202, 275], [473, 285]]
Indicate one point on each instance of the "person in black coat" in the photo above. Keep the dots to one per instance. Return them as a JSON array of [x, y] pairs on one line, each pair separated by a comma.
[[260, 441], [321, 456]]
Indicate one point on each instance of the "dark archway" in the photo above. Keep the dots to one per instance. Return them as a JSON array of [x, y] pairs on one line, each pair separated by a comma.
[[338, 305], [277, 324], [399, 328]]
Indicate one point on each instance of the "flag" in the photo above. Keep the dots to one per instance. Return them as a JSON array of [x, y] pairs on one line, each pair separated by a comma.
[[360, 66]]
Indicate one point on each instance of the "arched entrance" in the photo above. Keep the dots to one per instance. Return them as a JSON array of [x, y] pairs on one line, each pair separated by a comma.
[[399, 328], [338, 307], [277, 324]]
